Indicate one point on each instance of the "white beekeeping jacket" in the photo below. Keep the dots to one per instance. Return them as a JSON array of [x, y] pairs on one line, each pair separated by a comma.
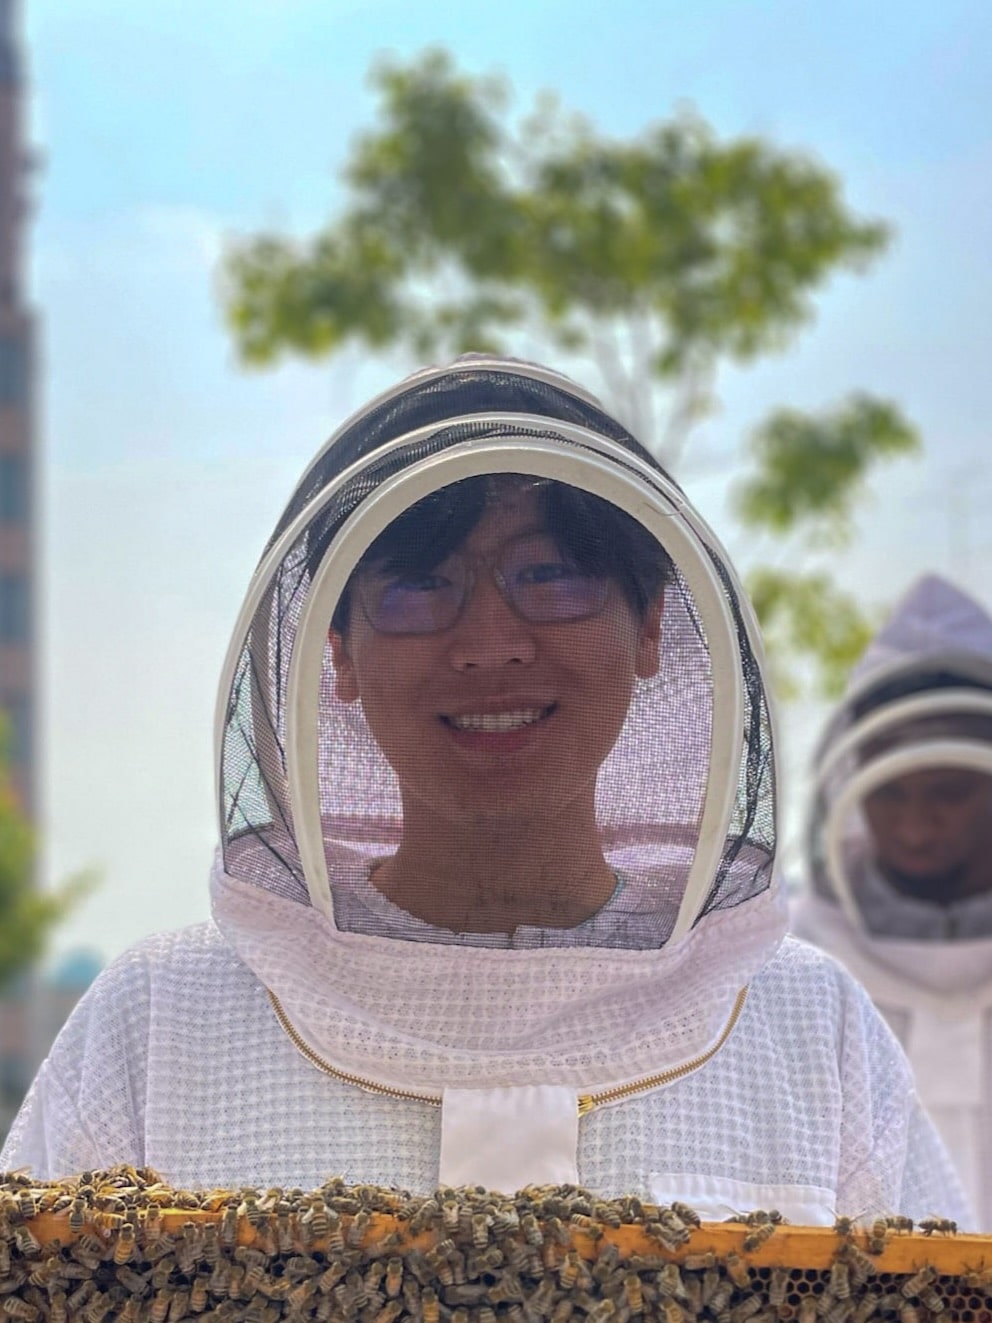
[[669, 1044], [916, 700]]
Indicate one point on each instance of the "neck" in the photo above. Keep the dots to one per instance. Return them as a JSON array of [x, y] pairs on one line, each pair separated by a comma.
[[496, 875]]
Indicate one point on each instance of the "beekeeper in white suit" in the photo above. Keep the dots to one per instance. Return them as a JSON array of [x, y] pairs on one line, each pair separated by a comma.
[[494, 899], [901, 855]]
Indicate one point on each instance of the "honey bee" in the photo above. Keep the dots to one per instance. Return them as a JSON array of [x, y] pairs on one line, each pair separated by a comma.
[[866, 1307], [125, 1246], [672, 1312], [838, 1311], [284, 1227], [330, 1277], [253, 1262], [807, 1310], [737, 1271], [571, 1270], [199, 1293], [133, 1282], [670, 1282], [561, 1313], [97, 1308], [394, 1277], [47, 1272], [745, 1309], [179, 1306], [699, 1262], [300, 1294], [430, 1306], [359, 1226], [20, 1309], [440, 1267], [391, 1311], [58, 1309], [778, 1285], [861, 1265], [713, 1286], [897, 1222], [317, 1218], [82, 1293], [688, 1215], [633, 1290], [229, 1223], [909, 1314], [532, 1231], [188, 1248], [586, 1224], [840, 1280], [942, 1225], [425, 1216], [757, 1236], [604, 1311], [249, 1209], [844, 1225], [26, 1241], [912, 1286]]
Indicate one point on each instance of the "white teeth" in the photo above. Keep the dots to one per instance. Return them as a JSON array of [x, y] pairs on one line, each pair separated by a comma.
[[498, 721]]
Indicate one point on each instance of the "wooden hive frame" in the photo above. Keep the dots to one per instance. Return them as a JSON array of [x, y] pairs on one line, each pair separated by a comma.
[[378, 1256]]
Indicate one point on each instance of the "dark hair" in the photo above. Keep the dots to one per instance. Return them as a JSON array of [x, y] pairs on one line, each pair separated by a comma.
[[597, 536]]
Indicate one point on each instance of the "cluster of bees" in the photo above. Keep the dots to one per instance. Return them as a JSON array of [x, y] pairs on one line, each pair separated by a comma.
[[122, 1244]]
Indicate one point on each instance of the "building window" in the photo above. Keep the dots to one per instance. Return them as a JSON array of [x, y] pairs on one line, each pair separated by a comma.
[[13, 489], [14, 611], [19, 718], [13, 370]]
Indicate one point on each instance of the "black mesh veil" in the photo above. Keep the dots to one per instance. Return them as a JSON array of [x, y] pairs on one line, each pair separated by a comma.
[[684, 796]]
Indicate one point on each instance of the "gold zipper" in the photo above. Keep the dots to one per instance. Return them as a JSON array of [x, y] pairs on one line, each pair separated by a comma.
[[587, 1102]]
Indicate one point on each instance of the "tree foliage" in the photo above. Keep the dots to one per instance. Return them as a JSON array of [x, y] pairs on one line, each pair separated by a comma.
[[811, 470], [653, 258], [27, 914]]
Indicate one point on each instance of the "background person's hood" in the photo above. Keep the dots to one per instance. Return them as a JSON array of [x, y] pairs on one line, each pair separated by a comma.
[[920, 697]]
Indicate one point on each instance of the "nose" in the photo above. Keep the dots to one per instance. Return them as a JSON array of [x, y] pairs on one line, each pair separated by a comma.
[[917, 826], [489, 633]]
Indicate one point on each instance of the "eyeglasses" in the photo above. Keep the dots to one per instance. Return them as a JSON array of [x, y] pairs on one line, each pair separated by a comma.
[[541, 584]]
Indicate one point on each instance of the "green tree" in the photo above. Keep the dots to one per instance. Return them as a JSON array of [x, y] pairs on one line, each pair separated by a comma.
[[27, 914], [652, 259]]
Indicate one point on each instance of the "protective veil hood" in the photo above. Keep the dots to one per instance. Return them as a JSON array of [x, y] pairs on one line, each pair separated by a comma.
[[921, 697], [308, 803]]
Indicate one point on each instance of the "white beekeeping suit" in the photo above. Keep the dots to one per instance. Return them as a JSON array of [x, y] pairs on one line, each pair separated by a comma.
[[900, 855], [494, 900]]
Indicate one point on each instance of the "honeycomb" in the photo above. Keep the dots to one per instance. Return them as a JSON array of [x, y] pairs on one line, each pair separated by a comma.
[[122, 1244]]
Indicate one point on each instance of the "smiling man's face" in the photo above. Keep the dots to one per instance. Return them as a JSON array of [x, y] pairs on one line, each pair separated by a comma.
[[495, 715]]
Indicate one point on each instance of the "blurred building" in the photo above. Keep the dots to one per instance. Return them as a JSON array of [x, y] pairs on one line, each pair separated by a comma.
[[18, 530], [35, 1006]]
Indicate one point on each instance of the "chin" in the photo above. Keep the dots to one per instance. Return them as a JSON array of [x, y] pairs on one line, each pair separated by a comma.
[[924, 882]]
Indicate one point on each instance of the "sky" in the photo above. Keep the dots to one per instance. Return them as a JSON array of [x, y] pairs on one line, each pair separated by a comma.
[[162, 130]]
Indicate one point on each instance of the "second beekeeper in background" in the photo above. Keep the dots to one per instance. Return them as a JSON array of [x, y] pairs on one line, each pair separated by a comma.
[[900, 857]]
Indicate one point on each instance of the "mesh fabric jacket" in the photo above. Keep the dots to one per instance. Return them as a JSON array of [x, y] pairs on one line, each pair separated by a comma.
[[928, 967], [668, 1044], [809, 1108]]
